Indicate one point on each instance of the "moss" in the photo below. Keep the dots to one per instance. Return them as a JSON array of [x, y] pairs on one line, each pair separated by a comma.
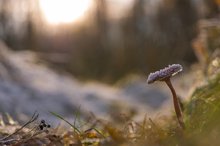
[[203, 110]]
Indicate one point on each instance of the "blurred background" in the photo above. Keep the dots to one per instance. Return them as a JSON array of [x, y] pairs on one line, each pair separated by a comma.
[[105, 40], [93, 40]]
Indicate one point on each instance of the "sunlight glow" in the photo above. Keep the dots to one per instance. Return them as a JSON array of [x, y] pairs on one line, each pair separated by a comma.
[[63, 11]]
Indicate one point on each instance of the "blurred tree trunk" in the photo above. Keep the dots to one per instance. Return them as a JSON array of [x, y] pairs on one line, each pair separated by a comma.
[[6, 30], [212, 8], [102, 49], [29, 38], [134, 29], [188, 20]]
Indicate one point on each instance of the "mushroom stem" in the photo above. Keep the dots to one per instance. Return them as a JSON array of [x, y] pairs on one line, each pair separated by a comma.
[[176, 103]]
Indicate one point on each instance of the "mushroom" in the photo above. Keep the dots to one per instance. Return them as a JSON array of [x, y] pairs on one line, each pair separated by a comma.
[[165, 75]]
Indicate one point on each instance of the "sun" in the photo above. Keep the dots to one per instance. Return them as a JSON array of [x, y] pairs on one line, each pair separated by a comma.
[[63, 11]]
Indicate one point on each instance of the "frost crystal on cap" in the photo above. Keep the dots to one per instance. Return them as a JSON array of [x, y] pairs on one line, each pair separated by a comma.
[[162, 74]]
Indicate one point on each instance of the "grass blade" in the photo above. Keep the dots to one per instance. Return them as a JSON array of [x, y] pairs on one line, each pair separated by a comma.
[[60, 117]]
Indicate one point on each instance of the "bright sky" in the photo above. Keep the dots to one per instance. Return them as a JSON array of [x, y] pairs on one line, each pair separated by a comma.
[[68, 11], [64, 11]]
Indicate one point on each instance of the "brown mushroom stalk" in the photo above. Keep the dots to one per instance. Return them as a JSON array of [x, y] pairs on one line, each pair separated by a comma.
[[176, 103], [165, 75]]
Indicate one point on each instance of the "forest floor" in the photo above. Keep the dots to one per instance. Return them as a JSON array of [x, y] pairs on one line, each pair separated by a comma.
[[201, 118]]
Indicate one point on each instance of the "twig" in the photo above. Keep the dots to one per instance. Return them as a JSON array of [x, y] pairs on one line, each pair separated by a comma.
[[33, 118], [9, 141]]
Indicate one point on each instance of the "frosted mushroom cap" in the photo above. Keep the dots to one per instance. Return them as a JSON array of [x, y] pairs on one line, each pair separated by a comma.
[[165, 73]]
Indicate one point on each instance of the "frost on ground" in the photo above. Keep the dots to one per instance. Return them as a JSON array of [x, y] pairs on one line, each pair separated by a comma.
[[28, 85]]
